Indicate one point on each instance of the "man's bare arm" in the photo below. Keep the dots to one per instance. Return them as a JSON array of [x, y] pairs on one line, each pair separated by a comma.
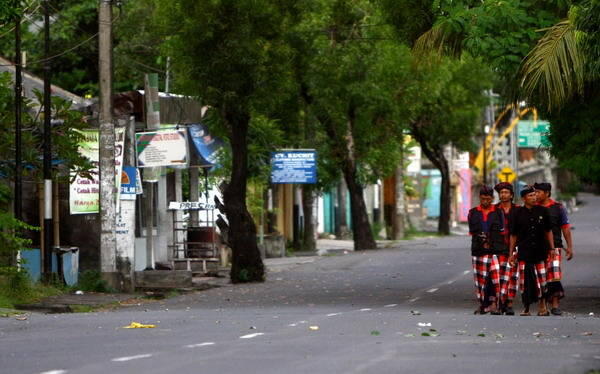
[[566, 230]]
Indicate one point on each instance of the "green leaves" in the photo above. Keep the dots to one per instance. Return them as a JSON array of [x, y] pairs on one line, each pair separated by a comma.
[[553, 70]]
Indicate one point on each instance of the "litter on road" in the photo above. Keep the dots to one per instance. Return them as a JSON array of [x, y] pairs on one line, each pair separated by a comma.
[[137, 325]]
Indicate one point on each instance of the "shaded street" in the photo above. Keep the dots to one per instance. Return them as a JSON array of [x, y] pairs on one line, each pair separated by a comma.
[[402, 309]]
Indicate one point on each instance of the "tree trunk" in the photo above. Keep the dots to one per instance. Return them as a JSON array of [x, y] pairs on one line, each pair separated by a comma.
[[247, 265], [445, 201], [399, 216], [361, 227], [308, 201], [435, 154], [341, 221]]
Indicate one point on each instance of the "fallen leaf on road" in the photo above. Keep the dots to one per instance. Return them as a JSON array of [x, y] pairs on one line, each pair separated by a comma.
[[461, 332], [252, 327], [415, 312], [481, 334], [410, 335], [313, 328], [424, 324], [587, 333], [537, 334], [21, 318], [499, 336], [425, 334], [137, 325], [375, 333]]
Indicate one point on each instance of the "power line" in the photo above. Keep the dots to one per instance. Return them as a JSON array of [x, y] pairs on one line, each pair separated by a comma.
[[24, 11]]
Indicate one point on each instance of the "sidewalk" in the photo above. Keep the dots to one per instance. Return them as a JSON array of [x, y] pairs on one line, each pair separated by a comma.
[[68, 303]]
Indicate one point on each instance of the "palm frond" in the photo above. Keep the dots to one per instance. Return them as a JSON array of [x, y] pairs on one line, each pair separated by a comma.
[[438, 40], [553, 71]]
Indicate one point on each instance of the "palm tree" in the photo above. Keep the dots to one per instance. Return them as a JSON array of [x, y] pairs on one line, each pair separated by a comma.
[[557, 67]]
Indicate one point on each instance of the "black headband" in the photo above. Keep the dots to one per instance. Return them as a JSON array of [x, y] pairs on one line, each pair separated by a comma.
[[527, 190], [504, 186], [486, 190], [545, 186]]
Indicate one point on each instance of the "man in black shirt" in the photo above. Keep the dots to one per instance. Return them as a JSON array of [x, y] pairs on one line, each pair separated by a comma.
[[508, 273], [560, 227], [486, 224], [531, 232]]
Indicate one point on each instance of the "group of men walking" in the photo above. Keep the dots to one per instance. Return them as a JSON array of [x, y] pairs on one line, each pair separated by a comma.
[[518, 249]]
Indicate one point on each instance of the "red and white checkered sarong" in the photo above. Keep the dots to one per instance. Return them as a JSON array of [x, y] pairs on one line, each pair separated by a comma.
[[540, 277], [554, 274], [486, 267], [509, 278]]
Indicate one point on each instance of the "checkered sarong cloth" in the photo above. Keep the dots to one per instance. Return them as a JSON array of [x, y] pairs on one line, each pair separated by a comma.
[[509, 278], [486, 267], [553, 272], [540, 277]]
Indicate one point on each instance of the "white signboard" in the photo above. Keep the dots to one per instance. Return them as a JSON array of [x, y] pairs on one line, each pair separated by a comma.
[[161, 148], [190, 205], [84, 193]]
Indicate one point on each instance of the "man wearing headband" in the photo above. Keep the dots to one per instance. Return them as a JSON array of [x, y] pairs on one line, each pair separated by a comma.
[[486, 225], [507, 272], [531, 231], [560, 225]]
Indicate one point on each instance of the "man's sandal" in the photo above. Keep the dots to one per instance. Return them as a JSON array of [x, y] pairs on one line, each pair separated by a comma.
[[543, 314], [556, 311], [525, 314]]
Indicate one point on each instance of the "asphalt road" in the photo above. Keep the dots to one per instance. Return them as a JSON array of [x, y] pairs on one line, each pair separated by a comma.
[[400, 310]]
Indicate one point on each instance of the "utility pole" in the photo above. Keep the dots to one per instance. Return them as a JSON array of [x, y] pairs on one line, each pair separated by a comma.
[[18, 95], [151, 175], [108, 244], [48, 229]]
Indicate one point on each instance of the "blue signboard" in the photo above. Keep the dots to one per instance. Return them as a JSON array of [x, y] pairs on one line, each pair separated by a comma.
[[128, 183], [207, 146], [299, 166]]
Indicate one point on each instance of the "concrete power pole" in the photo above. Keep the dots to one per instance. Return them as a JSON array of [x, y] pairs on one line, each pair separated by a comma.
[[151, 175], [108, 244]]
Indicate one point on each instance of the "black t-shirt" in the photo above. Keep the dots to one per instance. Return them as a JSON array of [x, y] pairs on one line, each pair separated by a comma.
[[486, 226], [530, 226]]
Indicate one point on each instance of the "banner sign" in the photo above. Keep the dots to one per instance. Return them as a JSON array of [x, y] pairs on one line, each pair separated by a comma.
[[190, 205], [84, 193], [161, 148], [128, 183], [298, 166], [207, 146]]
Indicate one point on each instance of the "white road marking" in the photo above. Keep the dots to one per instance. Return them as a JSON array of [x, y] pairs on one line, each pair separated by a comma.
[[450, 282], [54, 372], [129, 358], [293, 325], [390, 305], [432, 290], [413, 299], [250, 336], [333, 314], [466, 272], [365, 309], [199, 345]]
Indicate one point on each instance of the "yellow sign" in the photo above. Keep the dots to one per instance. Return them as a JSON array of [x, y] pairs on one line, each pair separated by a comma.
[[506, 175]]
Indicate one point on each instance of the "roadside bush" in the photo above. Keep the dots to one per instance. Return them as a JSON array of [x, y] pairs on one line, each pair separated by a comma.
[[91, 281]]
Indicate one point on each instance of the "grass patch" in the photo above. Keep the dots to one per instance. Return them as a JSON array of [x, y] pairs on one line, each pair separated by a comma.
[[16, 288], [415, 234]]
